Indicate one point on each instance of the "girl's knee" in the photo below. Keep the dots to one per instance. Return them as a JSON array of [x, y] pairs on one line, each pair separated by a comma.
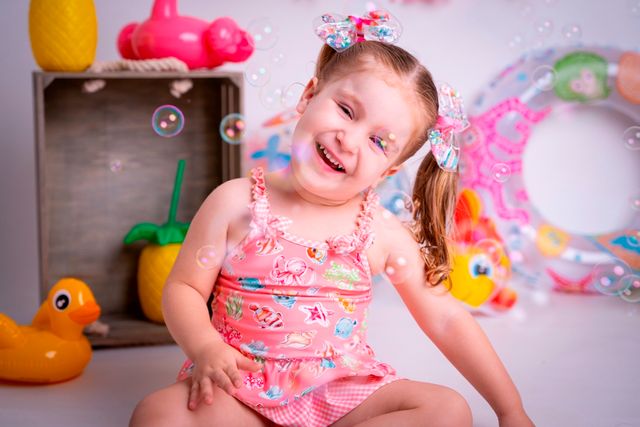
[[168, 407], [156, 410], [454, 409]]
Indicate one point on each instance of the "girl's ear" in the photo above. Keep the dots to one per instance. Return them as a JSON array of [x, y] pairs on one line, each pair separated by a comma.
[[392, 171], [389, 172], [309, 92]]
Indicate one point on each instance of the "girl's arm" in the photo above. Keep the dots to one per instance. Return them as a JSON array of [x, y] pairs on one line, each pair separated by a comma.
[[185, 294], [449, 325], [189, 286]]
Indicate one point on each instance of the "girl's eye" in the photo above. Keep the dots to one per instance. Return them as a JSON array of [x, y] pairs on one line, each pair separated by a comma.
[[379, 142], [346, 110]]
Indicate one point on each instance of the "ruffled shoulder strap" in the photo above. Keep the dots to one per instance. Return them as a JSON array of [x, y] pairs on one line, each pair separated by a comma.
[[365, 217], [262, 219], [363, 236], [258, 189], [260, 204]]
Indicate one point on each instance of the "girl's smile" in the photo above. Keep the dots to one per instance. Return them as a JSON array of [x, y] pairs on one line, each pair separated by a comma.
[[330, 160]]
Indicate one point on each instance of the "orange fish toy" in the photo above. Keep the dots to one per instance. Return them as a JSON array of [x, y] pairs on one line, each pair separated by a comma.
[[480, 272]]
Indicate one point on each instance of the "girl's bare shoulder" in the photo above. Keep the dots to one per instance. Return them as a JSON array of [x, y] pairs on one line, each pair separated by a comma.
[[389, 229], [391, 236], [231, 196]]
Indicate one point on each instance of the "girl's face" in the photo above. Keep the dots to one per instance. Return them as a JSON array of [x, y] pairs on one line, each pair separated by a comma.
[[351, 131]]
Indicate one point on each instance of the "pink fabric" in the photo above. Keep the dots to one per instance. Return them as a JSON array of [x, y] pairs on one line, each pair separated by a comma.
[[299, 308], [327, 403]]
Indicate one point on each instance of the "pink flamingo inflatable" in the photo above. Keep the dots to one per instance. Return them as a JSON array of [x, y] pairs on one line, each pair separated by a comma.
[[192, 40]]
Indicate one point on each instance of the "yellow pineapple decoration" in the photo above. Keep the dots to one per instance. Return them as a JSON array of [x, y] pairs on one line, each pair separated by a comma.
[[158, 257], [63, 33]]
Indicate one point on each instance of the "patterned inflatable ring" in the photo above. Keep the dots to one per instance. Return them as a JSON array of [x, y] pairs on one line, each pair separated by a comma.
[[524, 94]]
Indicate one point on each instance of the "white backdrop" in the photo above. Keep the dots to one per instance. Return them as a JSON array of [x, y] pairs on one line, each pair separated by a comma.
[[462, 42]]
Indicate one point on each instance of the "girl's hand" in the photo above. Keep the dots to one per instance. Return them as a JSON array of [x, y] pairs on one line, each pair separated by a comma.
[[515, 419], [217, 364]]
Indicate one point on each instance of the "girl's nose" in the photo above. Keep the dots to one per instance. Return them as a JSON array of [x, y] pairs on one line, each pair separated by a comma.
[[348, 141]]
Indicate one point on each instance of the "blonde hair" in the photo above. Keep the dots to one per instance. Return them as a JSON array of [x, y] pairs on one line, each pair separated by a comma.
[[434, 191]]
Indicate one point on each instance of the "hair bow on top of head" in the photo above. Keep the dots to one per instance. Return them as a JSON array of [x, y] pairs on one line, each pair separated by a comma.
[[452, 120], [341, 33]]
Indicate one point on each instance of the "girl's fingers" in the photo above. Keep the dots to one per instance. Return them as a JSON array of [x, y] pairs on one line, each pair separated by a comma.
[[206, 390], [247, 364], [222, 380], [234, 376], [193, 395]]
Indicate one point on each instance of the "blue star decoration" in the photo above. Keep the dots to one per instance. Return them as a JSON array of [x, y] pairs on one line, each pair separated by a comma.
[[275, 159]]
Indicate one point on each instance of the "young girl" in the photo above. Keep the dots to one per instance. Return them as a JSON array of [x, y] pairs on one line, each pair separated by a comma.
[[294, 253]]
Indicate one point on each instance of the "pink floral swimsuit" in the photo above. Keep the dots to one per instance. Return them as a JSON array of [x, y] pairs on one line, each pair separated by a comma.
[[300, 309]]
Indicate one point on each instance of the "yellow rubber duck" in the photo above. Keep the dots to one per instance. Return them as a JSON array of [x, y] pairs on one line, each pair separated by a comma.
[[53, 348]]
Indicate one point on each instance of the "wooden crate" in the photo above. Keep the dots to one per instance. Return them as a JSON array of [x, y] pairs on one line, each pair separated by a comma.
[[101, 169]]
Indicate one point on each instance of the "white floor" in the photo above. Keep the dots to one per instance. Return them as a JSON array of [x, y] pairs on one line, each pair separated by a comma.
[[574, 359]]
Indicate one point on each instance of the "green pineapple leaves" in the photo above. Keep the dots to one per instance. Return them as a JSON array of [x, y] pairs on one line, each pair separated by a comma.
[[171, 231]]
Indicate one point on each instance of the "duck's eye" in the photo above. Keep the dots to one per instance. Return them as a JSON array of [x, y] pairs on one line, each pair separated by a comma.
[[61, 300], [479, 265]]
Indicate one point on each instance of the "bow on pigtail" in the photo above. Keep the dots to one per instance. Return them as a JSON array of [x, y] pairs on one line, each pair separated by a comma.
[[341, 33], [452, 120]]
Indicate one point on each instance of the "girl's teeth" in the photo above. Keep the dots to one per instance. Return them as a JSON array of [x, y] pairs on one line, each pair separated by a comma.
[[331, 159]]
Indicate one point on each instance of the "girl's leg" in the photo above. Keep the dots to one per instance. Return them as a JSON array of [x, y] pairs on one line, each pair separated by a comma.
[[410, 403], [168, 407]]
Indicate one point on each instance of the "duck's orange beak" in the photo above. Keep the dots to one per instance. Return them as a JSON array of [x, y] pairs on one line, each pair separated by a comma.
[[88, 313]]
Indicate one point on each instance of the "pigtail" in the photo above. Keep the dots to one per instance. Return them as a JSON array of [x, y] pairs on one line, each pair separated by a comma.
[[434, 195]]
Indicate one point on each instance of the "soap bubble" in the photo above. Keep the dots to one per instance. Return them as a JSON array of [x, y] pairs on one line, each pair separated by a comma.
[[526, 10], [257, 74], [516, 41], [631, 138], [501, 172], [631, 288], [401, 205], [396, 267], [292, 94], [278, 58], [607, 277], [206, 257], [115, 166], [544, 77], [572, 31], [167, 121], [302, 152], [232, 128], [491, 248], [263, 32], [544, 27], [271, 97]]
